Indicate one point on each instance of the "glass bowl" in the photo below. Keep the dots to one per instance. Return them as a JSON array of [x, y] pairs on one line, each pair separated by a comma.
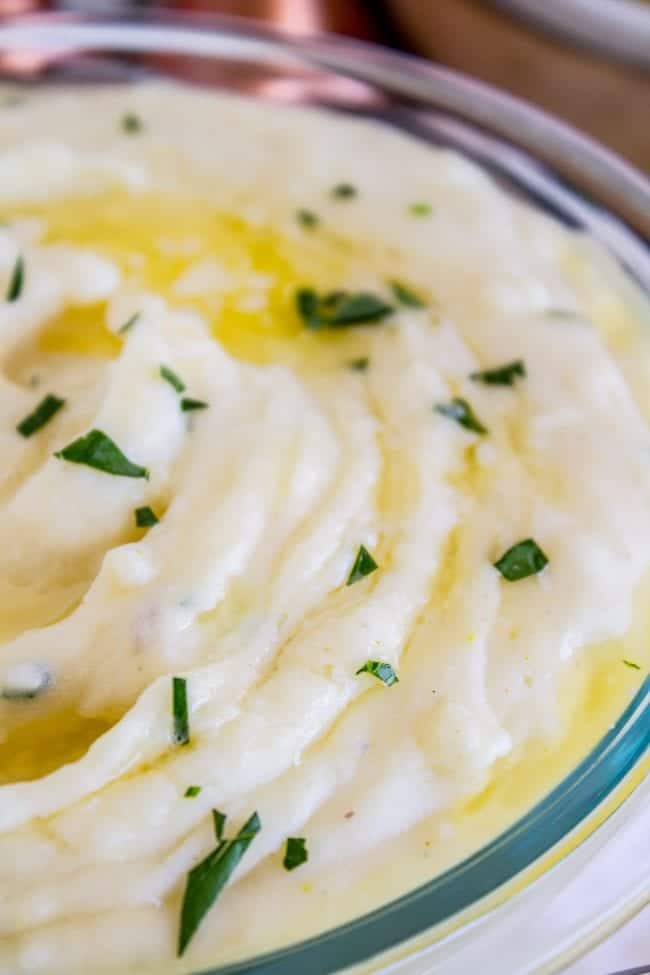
[[491, 912], [620, 30]]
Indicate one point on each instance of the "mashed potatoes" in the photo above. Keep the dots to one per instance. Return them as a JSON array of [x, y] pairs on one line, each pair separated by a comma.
[[324, 499]]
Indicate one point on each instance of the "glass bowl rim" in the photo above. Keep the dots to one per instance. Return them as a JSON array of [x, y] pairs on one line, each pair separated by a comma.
[[620, 30], [614, 185]]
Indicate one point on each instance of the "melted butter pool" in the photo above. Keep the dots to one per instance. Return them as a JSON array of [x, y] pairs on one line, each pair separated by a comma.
[[155, 239]]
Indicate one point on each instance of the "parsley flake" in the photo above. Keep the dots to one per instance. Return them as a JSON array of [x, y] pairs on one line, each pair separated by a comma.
[[192, 791], [46, 409], [17, 280], [340, 309], [420, 209], [460, 411], [188, 404], [175, 381], [296, 852], [522, 560], [344, 191], [307, 218], [219, 823], [132, 123], [631, 663], [128, 324], [405, 296], [359, 365], [145, 517], [381, 670], [181, 735], [364, 564], [208, 878], [501, 375], [97, 450]]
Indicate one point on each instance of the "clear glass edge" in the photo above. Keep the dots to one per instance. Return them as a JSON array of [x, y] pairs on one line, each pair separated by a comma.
[[481, 875], [478, 878], [620, 30]]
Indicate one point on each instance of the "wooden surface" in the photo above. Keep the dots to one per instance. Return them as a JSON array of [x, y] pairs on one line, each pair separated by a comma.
[[609, 101]]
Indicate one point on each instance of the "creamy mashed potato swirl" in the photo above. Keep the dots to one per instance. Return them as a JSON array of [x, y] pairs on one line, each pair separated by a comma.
[[303, 446]]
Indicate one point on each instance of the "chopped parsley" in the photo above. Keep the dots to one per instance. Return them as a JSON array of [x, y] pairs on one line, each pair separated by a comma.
[[344, 191], [307, 218], [405, 296], [188, 404], [43, 413], [359, 365], [132, 123], [420, 209], [209, 877], [630, 663], [97, 450], [522, 560], [501, 375], [295, 853], [340, 309], [145, 517], [219, 823], [17, 280], [175, 381], [181, 735], [192, 791], [364, 564], [128, 324], [460, 411], [381, 670]]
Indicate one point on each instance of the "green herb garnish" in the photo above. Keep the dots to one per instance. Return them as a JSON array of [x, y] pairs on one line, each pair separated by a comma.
[[173, 380], [207, 880], [420, 209], [460, 411], [381, 670], [522, 560], [502, 375], [188, 404], [340, 309], [364, 564], [132, 123], [359, 365], [128, 324], [40, 416], [405, 296], [630, 663], [98, 451], [296, 852], [192, 791], [307, 218], [219, 823], [17, 280], [145, 517], [181, 734], [344, 191]]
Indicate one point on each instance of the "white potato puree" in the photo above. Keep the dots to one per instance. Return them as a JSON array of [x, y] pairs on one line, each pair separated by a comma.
[[264, 498]]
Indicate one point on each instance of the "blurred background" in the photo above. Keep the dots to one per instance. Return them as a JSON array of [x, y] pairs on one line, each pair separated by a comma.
[[587, 61]]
